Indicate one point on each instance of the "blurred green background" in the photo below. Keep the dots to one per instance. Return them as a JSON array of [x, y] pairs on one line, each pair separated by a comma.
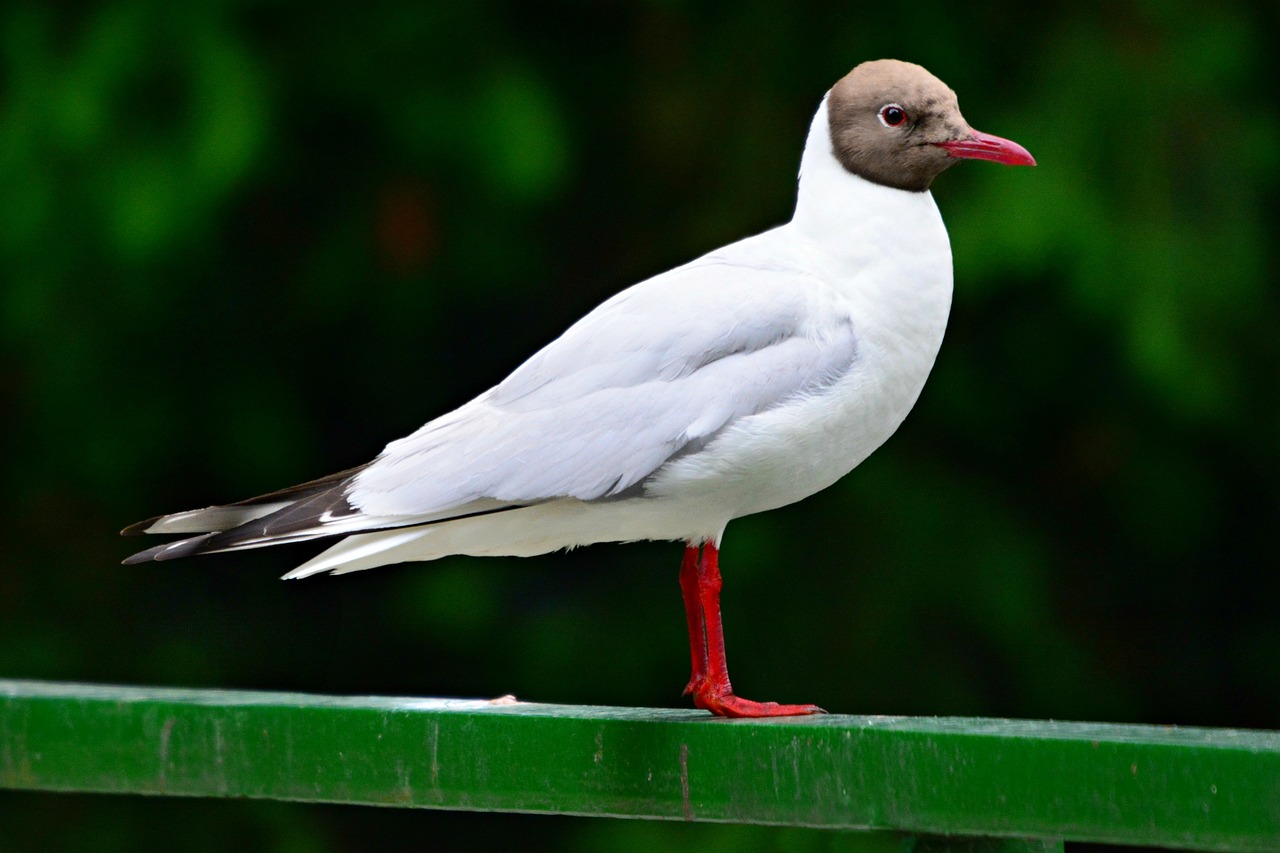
[[246, 244]]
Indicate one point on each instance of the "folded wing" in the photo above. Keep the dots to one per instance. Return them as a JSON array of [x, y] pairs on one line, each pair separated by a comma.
[[652, 374]]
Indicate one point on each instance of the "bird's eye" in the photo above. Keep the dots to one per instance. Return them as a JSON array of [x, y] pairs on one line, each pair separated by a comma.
[[892, 115]]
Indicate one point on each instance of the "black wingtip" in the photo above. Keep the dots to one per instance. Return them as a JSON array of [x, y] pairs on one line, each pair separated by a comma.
[[139, 528], [171, 550]]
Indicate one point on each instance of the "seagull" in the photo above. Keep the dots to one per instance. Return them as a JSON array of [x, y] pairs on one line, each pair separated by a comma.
[[742, 381]]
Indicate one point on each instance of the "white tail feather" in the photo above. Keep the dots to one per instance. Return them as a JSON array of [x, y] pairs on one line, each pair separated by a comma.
[[356, 549]]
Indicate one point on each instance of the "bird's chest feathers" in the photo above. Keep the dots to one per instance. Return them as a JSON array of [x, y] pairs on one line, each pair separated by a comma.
[[898, 310]]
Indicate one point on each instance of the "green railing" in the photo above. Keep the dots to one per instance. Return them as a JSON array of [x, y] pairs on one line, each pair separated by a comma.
[[912, 783]]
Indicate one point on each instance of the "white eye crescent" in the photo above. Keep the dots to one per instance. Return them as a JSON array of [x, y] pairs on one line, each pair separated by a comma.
[[892, 115]]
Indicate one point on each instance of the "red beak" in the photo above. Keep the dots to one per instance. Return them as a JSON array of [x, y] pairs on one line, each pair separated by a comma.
[[983, 146]]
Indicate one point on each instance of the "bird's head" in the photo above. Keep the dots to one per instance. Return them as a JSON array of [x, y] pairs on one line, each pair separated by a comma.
[[896, 124]]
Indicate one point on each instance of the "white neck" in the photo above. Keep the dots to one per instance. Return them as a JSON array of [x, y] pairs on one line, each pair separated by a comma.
[[886, 249]]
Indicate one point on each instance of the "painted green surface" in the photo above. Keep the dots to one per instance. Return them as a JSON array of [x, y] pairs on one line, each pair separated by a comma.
[[1201, 789]]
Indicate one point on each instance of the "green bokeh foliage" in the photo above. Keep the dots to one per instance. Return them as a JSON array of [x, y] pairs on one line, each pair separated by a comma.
[[245, 244]]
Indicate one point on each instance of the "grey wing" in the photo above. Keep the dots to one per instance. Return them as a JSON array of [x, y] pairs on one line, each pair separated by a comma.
[[650, 375]]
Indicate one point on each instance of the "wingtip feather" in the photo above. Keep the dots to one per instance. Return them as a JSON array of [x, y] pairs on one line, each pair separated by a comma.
[[170, 550], [140, 527]]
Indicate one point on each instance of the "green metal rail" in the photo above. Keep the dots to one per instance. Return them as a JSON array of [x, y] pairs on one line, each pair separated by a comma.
[[997, 784]]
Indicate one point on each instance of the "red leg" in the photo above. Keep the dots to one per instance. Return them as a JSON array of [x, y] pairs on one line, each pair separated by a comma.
[[693, 612], [714, 692]]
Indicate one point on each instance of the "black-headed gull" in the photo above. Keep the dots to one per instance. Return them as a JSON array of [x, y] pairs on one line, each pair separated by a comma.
[[742, 381]]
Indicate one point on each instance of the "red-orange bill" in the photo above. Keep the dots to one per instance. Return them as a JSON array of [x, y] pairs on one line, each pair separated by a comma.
[[984, 146]]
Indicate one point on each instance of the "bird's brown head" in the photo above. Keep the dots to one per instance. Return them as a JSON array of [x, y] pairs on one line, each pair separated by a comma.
[[896, 124]]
